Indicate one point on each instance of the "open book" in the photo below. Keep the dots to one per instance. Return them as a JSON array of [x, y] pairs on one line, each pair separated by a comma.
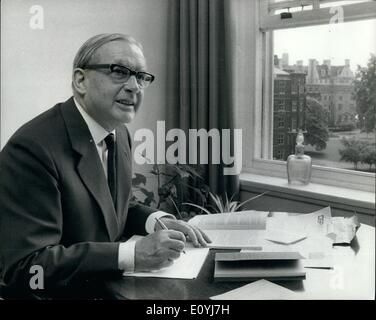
[[235, 230]]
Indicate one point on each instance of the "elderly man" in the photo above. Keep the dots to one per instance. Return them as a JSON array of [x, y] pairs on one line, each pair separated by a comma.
[[65, 181]]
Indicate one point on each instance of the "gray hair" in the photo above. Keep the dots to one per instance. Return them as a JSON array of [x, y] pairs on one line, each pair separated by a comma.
[[87, 50]]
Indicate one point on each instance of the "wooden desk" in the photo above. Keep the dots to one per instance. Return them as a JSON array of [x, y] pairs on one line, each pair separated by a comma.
[[353, 277]]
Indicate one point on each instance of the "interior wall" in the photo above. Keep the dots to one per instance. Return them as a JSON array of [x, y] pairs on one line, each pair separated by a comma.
[[36, 63]]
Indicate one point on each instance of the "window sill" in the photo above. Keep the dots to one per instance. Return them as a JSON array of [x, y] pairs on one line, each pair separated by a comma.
[[343, 198]]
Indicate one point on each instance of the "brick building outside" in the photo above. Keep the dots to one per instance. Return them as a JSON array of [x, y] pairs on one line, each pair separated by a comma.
[[331, 86], [289, 110]]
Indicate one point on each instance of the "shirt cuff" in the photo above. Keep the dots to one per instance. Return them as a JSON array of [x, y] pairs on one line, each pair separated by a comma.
[[150, 221], [126, 256]]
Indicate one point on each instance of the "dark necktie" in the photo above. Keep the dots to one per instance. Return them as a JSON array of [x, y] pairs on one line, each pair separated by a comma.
[[111, 165]]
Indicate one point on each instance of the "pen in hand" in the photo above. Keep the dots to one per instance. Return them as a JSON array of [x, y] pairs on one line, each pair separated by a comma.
[[163, 226]]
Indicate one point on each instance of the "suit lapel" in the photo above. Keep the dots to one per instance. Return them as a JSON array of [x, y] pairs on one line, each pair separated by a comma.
[[89, 166]]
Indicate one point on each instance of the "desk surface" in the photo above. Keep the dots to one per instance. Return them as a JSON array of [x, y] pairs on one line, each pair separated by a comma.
[[353, 277]]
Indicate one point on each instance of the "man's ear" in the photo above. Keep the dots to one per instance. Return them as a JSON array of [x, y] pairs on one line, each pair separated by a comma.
[[79, 80]]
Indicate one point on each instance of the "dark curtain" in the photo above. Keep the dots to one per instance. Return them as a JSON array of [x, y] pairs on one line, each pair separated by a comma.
[[200, 90]]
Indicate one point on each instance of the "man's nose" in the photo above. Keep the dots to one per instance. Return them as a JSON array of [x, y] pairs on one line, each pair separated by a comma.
[[132, 85]]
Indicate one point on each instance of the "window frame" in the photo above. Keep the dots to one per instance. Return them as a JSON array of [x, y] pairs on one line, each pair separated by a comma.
[[317, 16], [261, 161]]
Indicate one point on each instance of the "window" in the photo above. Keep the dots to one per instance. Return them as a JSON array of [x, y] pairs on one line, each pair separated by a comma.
[[279, 155], [306, 36], [280, 139], [294, 88], [280, 105], [294, 105], [324, 69], [281, 122], [294, 123]]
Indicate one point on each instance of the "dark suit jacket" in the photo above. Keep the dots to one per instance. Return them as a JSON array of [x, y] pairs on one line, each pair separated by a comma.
[[56, 210]]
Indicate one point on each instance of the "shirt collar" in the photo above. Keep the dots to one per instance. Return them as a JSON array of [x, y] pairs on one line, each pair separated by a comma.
[[96, 130]]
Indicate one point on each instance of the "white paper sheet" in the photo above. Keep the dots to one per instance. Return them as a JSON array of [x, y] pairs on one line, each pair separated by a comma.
[[342, 230], [243, 220], [315, 223], [236, 239], [258, 290], [284, 237]]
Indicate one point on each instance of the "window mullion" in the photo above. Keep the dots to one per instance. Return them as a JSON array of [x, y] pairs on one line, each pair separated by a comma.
[[267, 116]]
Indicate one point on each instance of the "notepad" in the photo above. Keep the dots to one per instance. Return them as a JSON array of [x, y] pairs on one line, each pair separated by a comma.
[[187, 266]]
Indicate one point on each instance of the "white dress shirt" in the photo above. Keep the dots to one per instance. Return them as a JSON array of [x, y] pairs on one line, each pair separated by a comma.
[[126, 255]]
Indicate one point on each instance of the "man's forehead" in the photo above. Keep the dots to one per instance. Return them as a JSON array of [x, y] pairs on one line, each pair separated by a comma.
[[120, 52]]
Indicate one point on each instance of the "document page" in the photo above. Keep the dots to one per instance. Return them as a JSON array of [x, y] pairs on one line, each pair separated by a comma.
[[236, 239], [315, 223], [242, 220], [235, 230], [310, 235]]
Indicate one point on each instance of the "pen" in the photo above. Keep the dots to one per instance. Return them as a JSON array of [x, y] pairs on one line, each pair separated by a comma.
[[163, 226]]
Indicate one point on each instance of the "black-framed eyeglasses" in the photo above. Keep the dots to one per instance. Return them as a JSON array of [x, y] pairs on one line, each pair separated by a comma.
[[121, 74]]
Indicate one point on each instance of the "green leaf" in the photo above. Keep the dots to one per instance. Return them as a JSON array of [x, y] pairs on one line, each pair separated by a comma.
[[233, 206], [253, 198], [217, 201], [176, 207], [138, 179]]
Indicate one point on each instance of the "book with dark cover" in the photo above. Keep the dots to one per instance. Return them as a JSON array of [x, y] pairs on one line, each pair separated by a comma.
[[244, 266]]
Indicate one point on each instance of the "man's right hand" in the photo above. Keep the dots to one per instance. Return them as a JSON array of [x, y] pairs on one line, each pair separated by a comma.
[[158, 250]]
